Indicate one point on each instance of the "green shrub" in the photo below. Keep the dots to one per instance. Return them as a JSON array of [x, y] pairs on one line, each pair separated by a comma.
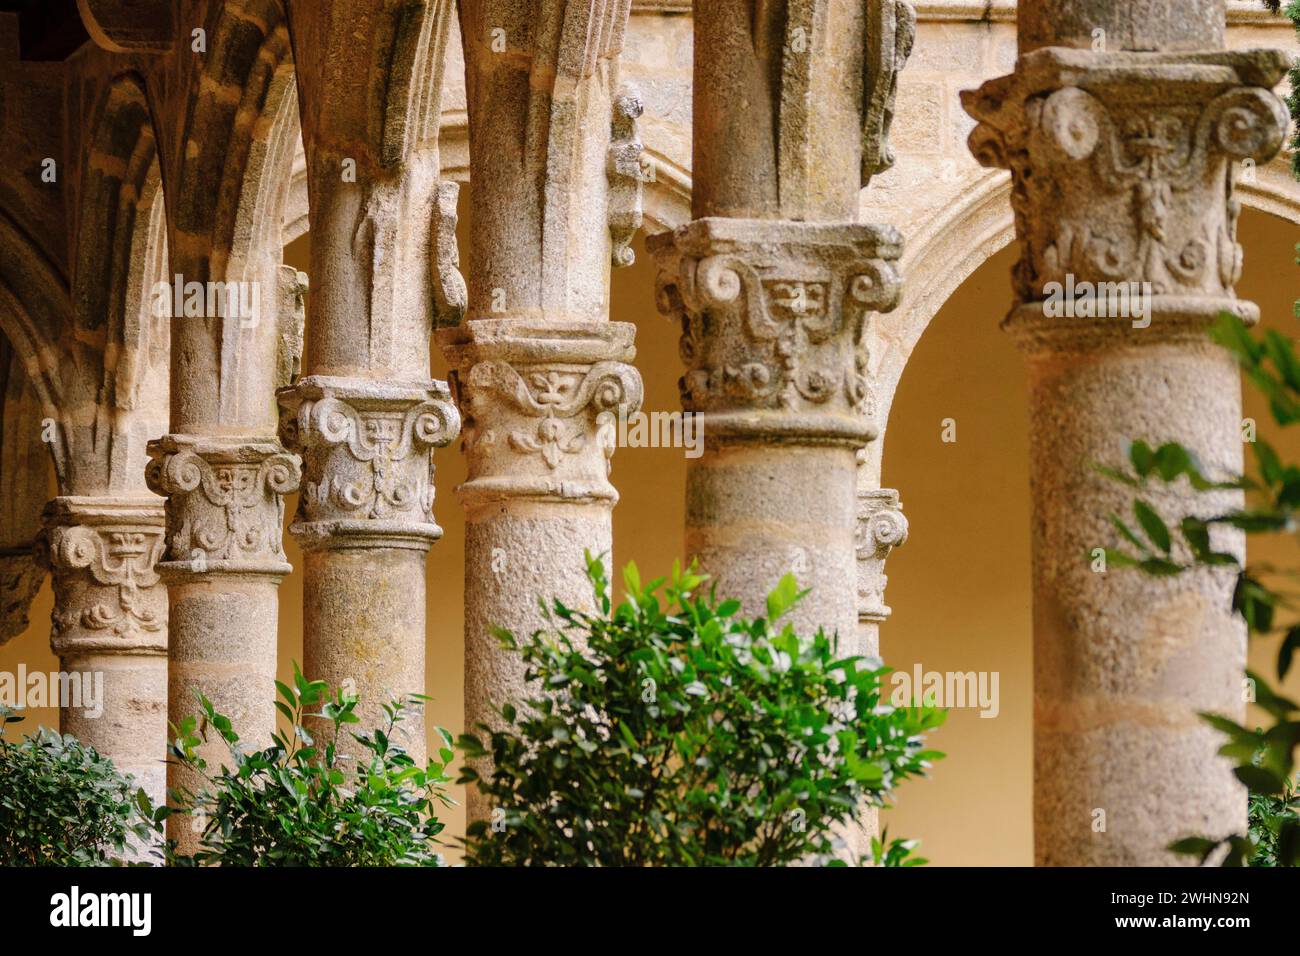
[[298, 803], [1270, 816], [63, 804], [678, 733]]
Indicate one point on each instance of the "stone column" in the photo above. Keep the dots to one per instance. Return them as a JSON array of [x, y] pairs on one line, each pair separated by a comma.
[[367, 416], [774, 315], [227, 157], [224, 563], [555, 199], [110, 628], [1122, 163], [365, 524], [538, 493], [774, 285]]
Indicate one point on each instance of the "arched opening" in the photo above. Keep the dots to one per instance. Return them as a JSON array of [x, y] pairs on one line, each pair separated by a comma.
[[960, 588]]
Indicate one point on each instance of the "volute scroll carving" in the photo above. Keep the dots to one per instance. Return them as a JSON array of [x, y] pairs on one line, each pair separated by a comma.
[[103, 555], [625, 174], [538, 406], [882, 526]]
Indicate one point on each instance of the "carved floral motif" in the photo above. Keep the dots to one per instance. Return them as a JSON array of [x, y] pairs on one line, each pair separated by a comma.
[[103, 554], [548, 410], [366, 448]]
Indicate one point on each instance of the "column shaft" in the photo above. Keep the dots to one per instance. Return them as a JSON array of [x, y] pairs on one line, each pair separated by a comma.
[[225, 510], [556, 199], [366, 416]]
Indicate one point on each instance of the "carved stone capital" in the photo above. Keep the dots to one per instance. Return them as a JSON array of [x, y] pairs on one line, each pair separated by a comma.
[[532, 396], [882, 526], [1122, 168], [225, 503], [366, 448], [103, 554], [774, 319]]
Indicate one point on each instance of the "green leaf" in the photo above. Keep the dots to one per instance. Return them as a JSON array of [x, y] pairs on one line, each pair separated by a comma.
[[1142, 457], [1153, 525], [782, 597], [1286, 652], [1259, 780]]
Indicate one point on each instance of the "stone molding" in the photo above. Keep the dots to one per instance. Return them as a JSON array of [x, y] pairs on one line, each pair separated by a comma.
[[103, 554], [1121, 166], [881, 527], [532, 396], [130, 26], [225, 504], [774, 319], [366, 447]]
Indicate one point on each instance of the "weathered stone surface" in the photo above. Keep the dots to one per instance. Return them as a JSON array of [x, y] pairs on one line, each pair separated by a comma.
[[1168, 25], [532, 395], [366, 417], [882, 527], [130, 26], [1121, 163], [368, 469], [556, 197], [1122, 180], [575, 145], [224, 562]]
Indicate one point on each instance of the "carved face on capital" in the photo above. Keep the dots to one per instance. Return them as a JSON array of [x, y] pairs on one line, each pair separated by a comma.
[[126, 544], [796, 300], [233, 480], [382, 432]]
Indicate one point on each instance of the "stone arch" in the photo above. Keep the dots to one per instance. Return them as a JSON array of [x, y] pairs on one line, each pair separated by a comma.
[[120, 255], [232, 155], [34, 303], [234, 147], [24, 473], [948, 249]]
